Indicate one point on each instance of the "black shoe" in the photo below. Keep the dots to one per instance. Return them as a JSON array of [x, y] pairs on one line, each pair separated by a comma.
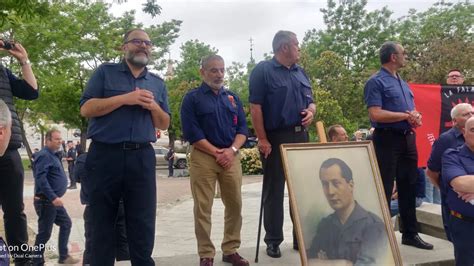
[[417, 242], [273, 251]]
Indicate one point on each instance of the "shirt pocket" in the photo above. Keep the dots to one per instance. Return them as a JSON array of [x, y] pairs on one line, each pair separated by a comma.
[[467, 163], [117, 86], [391, 95]]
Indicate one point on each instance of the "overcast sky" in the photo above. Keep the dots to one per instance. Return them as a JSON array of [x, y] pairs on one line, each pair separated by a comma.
[[229, 24]]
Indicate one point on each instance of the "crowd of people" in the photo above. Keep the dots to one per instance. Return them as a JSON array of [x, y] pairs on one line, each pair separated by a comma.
[[125, 103]]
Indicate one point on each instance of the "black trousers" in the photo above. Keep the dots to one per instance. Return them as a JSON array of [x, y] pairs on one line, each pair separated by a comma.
[[11, 199], [121, 244], [398, 159], [70, 169], [114, 173], [274, 185]]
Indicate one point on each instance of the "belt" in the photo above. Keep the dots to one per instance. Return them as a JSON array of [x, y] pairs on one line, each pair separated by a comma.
[[461, 216], [293, 129], [40, 197], [396, 130], [126, 145]]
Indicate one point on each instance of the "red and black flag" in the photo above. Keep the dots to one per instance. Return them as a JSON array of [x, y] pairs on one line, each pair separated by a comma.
[[435, 103]]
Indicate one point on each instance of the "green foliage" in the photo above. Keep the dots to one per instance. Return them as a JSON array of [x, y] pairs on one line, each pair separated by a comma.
[[13, 12], [66, 46], [437, 40], [250, 160]]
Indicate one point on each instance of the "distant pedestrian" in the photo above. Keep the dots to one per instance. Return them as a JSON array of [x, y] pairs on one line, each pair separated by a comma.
[[50, 186], [71, 159], [170, 157]]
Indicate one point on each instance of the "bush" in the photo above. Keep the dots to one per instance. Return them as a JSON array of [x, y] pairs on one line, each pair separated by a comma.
[[250, 160]]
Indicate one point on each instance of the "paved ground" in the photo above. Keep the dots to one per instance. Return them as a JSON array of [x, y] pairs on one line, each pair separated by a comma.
[[175, 243]]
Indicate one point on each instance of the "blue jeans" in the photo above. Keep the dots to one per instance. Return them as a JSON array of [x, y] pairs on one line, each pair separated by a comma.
[[48, 215], [432, 194]]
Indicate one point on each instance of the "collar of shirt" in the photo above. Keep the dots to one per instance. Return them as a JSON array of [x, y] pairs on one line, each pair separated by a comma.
[[357, 214], [124, 68], [457, 133], [466, 152], [385, 73], [204, 88], [277, 64]]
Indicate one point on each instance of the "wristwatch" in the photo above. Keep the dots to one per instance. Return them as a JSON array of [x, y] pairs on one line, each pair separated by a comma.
[[26, 62], [235, 150]]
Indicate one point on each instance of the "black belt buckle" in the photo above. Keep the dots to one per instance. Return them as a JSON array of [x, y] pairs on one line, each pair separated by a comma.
[[130, 146]]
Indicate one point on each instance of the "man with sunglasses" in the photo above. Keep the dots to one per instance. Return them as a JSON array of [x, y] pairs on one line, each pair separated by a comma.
[[125, 103], [391, 107]]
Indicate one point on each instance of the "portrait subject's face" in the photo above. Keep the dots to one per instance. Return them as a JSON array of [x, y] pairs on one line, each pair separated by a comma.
[[337, 190]]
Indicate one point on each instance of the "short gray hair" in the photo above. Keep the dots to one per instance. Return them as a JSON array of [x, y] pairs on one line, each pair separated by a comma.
[[458, 107], [281, 38], [387, 49], [206, 59], [5, 115]]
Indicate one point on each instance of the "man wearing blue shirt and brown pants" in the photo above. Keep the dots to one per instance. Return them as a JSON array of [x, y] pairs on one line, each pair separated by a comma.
[[213, 121], [391, 107], [125, 103], [50, 186], [281, 105], [458, 179]]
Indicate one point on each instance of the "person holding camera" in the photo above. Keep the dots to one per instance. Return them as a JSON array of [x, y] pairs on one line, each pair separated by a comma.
[[11, 179]]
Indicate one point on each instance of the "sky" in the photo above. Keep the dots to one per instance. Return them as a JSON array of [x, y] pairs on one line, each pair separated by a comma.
[[228, 25]]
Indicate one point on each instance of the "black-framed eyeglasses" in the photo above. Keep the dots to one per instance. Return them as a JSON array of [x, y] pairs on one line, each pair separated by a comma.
[[139, 42], [454, 76]]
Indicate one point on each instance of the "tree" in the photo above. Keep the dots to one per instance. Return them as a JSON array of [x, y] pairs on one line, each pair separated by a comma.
[[351, 32], [68, 46], [437, 40], [186, 77]]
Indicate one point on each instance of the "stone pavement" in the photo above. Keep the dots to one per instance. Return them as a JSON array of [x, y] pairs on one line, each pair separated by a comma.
[[175, 242]]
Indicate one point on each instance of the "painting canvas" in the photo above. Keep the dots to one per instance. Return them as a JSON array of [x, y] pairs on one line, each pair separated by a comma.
[[337, 197]]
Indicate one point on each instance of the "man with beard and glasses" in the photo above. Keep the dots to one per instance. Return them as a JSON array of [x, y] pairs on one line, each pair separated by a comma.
[[125, 103]]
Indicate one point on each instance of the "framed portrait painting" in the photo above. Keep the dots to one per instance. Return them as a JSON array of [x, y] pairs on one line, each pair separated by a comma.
[[338, 201]]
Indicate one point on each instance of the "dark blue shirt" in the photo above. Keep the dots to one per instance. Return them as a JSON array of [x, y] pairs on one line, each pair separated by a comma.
[[391, 94], [50, 179], [457, 162], [21, 88], [452, 138], [283, 93], [217, 118], [130, 123]]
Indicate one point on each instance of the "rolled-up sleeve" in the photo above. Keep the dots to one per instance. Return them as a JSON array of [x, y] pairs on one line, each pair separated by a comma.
[[95, 87], [452, 166], [372, 93], [192, 132], [257, 85], [242, 122]]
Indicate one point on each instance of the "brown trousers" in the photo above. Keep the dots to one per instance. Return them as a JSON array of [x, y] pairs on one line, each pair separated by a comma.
[[204, 172]]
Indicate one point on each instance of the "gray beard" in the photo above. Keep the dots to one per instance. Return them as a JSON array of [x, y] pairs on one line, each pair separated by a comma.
[[138, 61]]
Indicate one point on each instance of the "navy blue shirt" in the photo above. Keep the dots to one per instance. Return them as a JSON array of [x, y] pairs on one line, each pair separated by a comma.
[[21, 88], [130, 123], [457, 162], [452, 138], [391, 94], [283, 93], [50, 179], [216, 118]]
